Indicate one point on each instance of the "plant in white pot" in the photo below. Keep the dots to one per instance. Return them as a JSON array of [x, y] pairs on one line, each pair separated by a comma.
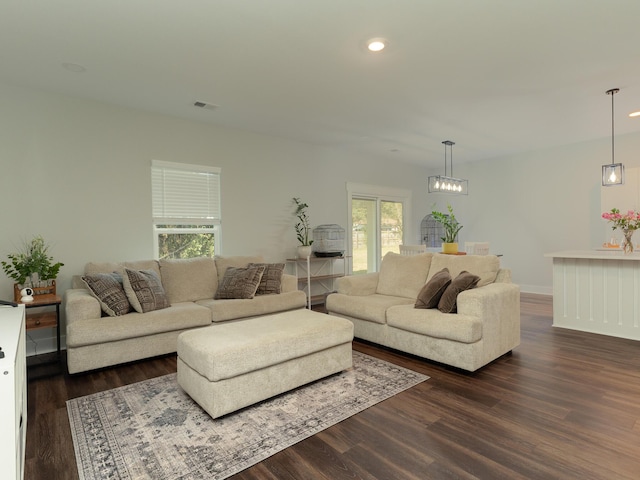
[[451, 227], [303, 228]]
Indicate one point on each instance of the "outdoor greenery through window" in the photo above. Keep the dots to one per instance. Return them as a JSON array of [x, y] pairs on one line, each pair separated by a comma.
[[185, 241], [377, 223], [186, 210]]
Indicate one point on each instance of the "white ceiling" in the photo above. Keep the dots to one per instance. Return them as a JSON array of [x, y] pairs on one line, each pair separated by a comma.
[[495, 76]]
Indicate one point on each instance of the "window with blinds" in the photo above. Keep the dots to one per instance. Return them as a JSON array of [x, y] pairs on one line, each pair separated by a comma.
[[186, 209]]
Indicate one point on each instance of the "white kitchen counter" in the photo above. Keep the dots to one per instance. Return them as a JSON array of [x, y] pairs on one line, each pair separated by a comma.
[[597, 254], [597, 291]]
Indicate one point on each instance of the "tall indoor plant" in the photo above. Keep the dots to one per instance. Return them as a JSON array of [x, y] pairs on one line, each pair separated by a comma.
[[451, 227], [303, 228]]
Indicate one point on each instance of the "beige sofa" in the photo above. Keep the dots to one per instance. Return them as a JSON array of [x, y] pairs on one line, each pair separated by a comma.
[[381, 307], [95, 340]]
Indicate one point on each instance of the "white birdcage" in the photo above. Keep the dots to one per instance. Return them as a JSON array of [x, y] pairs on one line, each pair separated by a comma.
[[431, 232], [328, 240]]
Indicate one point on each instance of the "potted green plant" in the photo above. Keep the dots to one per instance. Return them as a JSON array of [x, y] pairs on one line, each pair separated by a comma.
[[451, 228], [32, 266], [303, 228]]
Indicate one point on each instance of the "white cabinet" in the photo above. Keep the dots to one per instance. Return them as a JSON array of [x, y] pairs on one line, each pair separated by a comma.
[[13, 392], [316, 275]]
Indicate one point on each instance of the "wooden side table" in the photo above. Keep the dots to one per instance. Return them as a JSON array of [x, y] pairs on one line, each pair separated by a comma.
[[46, 319]]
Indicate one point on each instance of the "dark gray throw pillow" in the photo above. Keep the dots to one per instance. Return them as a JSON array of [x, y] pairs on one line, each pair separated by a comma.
[[239, 283], [432, 291], [107, 288], [464, 281]]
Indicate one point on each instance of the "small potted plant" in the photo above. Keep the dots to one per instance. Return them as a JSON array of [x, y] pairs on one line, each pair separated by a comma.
[[303, 228], [451, 228], [33, 267]]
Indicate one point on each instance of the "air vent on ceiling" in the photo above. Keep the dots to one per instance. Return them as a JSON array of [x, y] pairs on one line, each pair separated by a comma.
[[208, 106]]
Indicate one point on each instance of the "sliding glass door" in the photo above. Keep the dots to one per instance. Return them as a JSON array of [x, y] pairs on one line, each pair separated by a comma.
[[377, 228]]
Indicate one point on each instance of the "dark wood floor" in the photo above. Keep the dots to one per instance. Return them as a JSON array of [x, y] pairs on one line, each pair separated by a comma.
[[563, 405]]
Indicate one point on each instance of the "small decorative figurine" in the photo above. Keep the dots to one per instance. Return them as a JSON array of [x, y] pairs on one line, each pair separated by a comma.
[[27, 295]]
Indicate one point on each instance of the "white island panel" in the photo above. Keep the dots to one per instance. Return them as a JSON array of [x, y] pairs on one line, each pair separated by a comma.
[[597, 292]]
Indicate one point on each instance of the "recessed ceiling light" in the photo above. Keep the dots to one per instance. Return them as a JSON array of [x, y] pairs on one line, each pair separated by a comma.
[[376, 44], [635, 114], [74, 67]]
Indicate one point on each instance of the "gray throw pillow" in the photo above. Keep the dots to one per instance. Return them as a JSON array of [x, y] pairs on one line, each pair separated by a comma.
[[239, 283], [432, 291], [464, 281], [271, 281], [107, 288], [144, 290]]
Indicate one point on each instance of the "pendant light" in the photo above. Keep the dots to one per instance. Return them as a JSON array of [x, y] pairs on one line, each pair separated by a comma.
[[613, 173], [448, 183]]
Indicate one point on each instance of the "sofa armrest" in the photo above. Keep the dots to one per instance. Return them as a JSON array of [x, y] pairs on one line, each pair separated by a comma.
[[79, 304], [289, 283], [498, 306], [358, 284], [503, 276]]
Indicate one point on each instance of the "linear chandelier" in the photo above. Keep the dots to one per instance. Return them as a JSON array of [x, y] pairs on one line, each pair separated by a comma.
[[448, 183], [613, 173]]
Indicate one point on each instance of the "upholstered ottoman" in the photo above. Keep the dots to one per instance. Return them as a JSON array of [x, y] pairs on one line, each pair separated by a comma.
[[230, 366]]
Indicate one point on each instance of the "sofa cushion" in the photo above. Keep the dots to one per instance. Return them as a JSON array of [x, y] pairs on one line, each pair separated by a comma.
[[403, 276], [92, 268], [107, 288], [432, 291], [372, 308], [233, 309], [462, 282], [177, 317], [433, 323], [239, 283], [144, 290], [108, 267], [189, 279], [485, 266], [271, 282]]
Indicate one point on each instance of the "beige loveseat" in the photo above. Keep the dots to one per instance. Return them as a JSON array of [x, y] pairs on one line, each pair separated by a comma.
[[381, 306], [95, 340]]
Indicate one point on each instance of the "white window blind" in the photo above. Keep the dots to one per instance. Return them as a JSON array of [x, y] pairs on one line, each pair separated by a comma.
[[184, 194]]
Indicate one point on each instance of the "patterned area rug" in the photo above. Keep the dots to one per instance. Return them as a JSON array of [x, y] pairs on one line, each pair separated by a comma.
[[153, 430]]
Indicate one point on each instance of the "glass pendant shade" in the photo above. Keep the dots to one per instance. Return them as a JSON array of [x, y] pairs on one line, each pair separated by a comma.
[[446, 183], [612, 174]]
